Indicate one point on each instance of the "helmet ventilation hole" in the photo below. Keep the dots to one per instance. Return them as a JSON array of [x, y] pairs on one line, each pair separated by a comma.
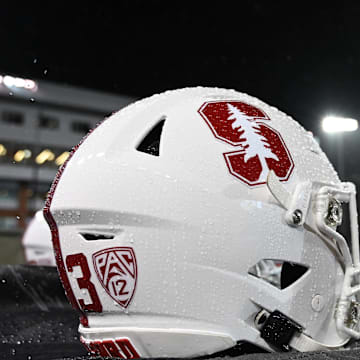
[[150, 144], [96, 236], [278, 273]]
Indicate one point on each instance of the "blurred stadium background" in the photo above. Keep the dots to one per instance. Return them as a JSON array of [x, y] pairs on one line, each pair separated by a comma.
[[39, 124], [64, 68], [41, 121]]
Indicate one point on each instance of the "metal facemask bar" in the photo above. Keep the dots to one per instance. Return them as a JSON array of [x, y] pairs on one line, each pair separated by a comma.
[[318, 206]]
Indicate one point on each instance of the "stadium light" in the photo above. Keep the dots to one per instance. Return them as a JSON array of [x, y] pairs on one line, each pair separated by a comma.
[[335, 124], [8, 81], [45, 155], [3, 150], [17, 82], [62, 158], [30, 85], [27, 153], [19, 155]]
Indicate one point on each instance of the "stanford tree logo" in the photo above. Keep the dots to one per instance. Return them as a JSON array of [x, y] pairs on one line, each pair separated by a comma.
[[117, 271], [259, 147]]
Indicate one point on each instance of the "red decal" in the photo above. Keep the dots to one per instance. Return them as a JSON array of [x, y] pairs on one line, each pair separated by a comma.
[[55, 231], [112, 349], [84, 320], [84, 282], [259, 147], [120, 348], [97, 348], [117, 271], [127, 348]]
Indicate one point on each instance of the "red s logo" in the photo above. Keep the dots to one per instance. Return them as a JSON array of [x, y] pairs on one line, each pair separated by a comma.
[[259, 147]]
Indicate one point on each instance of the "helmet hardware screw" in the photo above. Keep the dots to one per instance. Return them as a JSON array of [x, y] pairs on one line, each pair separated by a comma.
[[297, 217], [260, 318]]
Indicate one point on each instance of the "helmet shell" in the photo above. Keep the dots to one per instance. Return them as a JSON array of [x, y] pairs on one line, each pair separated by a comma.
[[190, 228]]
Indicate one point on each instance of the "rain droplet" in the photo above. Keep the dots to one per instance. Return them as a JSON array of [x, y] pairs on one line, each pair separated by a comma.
[[18, 217], [32, 99], [45, 71]]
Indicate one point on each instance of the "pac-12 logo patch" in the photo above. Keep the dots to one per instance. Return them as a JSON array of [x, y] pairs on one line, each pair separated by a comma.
[[258, 147], [117, 271]]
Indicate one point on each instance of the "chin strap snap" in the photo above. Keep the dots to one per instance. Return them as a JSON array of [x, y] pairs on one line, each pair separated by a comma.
[[277, 329]]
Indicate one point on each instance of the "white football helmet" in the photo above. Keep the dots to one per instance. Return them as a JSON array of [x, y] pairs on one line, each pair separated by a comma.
[[37, 243], [165, 216]]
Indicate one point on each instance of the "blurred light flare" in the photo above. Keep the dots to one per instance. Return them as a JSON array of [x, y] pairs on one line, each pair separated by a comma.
[[45, 155], [22, 154], [8, 81], [17, 82], [336, 124], [27, 153], [62, 158], [19, 156], [30, 84], [3, 150]]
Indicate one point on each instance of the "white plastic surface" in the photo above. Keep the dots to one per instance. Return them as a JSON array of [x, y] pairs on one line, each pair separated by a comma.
[[194, 227], [37, 242]]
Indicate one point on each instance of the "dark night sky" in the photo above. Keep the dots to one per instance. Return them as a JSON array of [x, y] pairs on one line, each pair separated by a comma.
[[302, 57]]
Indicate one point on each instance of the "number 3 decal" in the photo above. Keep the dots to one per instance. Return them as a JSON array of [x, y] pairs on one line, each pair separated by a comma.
[[84, 282]]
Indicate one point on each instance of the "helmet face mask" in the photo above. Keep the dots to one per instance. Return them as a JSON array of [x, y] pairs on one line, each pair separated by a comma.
[[161, 215]]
